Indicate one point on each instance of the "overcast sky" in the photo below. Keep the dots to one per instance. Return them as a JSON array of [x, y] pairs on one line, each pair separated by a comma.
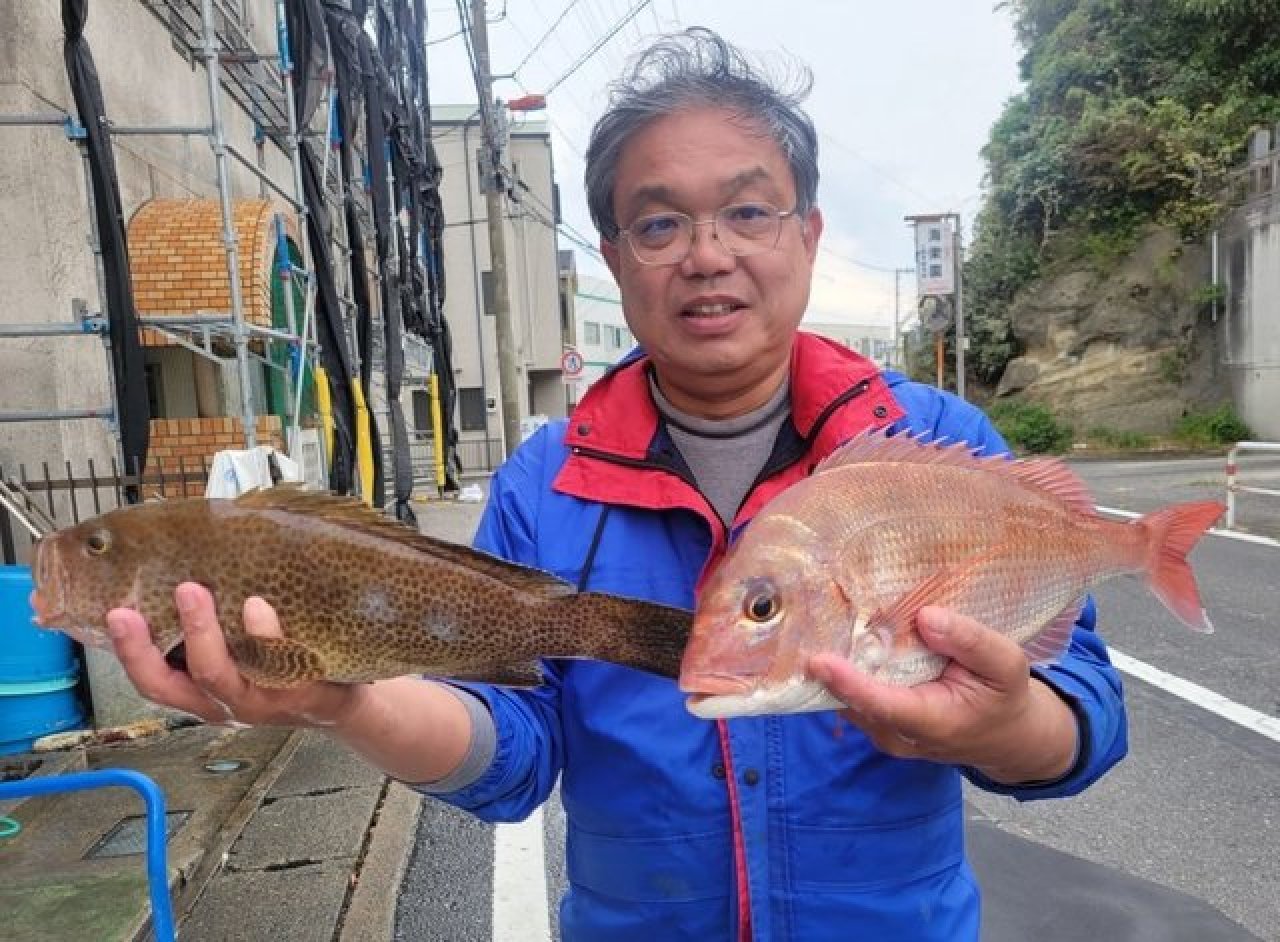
[[904, 96]]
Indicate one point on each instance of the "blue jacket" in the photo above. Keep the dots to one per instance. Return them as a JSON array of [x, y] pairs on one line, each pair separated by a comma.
[[765, 828]]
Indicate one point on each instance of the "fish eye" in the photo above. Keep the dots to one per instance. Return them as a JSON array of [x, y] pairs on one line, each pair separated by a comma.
[[98, 542], [761, 605]]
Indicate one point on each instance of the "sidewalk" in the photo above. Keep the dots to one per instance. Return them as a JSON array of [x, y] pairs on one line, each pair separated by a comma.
[[298, 840], [302, 841]]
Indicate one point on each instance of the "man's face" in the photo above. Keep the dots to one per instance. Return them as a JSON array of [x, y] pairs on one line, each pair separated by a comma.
[[718, 327]]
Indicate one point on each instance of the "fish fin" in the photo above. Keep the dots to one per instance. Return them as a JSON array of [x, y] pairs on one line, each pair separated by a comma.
[[276, 663], [878, 446], [643, 635], [1050, 475], [1172, 532], [897, 622], [1049, 644], [504, 675], [354, 514], [1053, 476]]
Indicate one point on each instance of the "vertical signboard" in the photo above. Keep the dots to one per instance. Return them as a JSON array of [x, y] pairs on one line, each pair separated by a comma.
[[935, 265]]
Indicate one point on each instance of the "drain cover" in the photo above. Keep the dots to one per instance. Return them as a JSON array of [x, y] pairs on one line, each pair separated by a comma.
[[129, 836]]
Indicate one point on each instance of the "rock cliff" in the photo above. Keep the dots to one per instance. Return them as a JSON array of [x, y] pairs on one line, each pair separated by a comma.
[[1126, 349]]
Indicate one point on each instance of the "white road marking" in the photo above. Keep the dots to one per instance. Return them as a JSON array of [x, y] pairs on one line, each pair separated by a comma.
[[1216, 531], [520, 912], [1202, 697]]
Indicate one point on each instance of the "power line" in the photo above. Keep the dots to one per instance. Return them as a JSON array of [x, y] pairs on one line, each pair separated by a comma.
[[599, 44], [858, 262], [545, 36]]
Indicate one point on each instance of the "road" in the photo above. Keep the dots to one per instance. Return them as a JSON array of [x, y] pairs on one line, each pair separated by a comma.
[[1180, 842]]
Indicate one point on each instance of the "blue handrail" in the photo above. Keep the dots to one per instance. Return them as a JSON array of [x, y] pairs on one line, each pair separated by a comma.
[[157, 859]]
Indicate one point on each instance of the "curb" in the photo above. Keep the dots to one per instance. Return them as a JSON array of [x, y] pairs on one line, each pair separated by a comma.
[[371, 910], [188, 881]]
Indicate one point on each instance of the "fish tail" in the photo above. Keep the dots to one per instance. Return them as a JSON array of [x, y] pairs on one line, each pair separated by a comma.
[[1171, 533], [634, 633]]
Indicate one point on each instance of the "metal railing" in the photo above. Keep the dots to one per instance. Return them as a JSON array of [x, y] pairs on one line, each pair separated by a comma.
[[1234, 487]]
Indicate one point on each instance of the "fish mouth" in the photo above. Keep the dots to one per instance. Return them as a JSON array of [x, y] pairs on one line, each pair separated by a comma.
[[796, 696], [46, 601], [713, 683]]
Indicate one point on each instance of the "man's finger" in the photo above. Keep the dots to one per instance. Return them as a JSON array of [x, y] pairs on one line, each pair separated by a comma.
[[981, 650], [208, 661], [260, 619], [870, 701], [147, 668]]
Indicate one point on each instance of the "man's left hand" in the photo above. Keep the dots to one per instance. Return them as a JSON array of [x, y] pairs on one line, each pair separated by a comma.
[[985, 710]]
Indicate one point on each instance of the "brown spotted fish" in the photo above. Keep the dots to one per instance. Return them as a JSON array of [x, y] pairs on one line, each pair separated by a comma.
[[842, 561], [360, 597]]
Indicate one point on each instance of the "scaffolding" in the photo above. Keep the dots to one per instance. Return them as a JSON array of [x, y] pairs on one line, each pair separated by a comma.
[[215, 34]]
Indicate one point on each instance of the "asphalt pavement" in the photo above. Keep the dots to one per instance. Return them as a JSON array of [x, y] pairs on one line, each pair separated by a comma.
[[286, 836]]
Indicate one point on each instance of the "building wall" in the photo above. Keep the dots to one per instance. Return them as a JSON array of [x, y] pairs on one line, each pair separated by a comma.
[[43, 195], [1250, 327], [601, 330], [871, 340], [532, 267]]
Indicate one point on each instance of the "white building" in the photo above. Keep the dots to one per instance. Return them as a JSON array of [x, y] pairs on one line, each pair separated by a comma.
[[871, 340], [602, 334]]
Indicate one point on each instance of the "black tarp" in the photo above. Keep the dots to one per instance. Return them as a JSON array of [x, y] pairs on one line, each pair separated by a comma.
[[132, 404], [307, 42], [421, 171], [347, 41]]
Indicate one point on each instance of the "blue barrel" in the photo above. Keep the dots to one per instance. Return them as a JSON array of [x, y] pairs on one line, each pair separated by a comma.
[[39, 670]]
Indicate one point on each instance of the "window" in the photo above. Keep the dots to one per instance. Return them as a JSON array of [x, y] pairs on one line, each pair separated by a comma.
[[486, 289], [935, 271], [591, 332], [471, 415], [421, 411]]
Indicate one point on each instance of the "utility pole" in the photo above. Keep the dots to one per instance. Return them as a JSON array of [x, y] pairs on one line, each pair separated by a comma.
[[898, 360], [958, 261], [494, 187]]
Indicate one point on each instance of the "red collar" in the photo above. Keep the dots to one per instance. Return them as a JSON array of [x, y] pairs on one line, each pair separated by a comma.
[[617, 415]]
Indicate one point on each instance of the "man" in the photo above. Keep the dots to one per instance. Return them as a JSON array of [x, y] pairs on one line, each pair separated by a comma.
[[702, 179]]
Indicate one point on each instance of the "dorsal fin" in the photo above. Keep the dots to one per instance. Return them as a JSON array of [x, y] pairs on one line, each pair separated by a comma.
[[352, 514], [1048, 475]]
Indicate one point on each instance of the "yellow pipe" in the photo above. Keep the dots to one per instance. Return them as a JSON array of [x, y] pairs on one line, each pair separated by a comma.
[[364, 443], [437, 430], [324, 405]]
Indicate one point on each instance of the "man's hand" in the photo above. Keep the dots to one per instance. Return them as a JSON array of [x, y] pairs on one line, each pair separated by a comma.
[[985, 710], [212, 687]]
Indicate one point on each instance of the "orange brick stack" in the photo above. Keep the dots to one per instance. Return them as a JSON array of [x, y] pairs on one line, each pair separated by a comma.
[[178, 263], [178, 444]]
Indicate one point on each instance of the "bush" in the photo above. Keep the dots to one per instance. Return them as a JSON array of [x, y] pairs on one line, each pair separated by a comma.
[[1030, 427], [1116, 438], [1220, 427]]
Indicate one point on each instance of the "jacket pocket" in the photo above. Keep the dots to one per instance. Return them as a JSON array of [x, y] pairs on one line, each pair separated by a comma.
[[826, 858], [674, 868]]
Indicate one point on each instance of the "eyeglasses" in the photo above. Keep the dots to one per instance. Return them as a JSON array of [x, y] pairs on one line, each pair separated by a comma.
[[742, 228]]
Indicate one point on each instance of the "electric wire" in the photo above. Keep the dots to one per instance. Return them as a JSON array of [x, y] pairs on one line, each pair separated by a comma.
[[599, 44]]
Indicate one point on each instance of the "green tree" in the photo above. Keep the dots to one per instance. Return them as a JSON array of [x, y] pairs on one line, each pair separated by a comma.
[[1134, 112]]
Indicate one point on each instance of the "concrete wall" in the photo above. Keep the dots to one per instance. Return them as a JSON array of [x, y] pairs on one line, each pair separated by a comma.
[[1249, 252], [45, 256]]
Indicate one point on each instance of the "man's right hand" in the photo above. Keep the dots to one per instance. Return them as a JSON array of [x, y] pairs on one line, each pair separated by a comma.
[[413, 729], [212, 687]]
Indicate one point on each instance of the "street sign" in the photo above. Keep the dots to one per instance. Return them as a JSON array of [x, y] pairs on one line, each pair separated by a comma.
[[935, 314], [571, 365]]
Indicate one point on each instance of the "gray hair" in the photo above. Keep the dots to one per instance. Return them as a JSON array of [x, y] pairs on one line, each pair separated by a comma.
[[693, 69]]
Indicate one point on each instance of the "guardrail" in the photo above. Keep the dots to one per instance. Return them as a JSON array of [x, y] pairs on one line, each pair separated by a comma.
[[1234, 487]]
